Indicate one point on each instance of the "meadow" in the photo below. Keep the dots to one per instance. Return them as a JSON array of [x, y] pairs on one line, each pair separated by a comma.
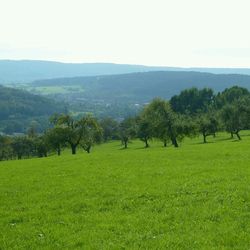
[[193, 197]]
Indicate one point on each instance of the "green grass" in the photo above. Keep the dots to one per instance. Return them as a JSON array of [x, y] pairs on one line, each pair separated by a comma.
[[193, 197]]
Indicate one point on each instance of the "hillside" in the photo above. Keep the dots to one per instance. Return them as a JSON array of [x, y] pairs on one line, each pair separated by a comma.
[[140, 87], [24, 71], [29, 70], [194, 197], [19, 108]]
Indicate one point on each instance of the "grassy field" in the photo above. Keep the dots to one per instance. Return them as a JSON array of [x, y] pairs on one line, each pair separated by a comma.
[[193, 197]]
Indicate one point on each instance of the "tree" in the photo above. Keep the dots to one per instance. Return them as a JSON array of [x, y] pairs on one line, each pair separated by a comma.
[[92, 133], [5, 148], [144, 128], [41, 146], [127, 131], [236, 116], [164, 120], [76, 132], [32, 130], [22, 146], [207, 125], [230, 96], [72, 129], [56, 139], [192, 101], [110, 128]]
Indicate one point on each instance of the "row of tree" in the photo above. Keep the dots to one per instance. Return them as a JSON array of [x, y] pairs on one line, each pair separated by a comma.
[[189, 114]]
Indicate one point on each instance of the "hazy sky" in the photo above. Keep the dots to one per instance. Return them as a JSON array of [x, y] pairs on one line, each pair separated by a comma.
[[187, 33]]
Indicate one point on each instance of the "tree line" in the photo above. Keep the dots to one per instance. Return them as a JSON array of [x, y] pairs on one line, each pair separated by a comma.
[[191, 113]]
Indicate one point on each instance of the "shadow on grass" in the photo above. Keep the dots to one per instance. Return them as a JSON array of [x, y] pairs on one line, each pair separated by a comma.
[[124, 148], [202, 143], [143, 147], [236, 140]]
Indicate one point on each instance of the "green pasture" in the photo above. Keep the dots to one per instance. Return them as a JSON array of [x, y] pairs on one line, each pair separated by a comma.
[[194, 197]]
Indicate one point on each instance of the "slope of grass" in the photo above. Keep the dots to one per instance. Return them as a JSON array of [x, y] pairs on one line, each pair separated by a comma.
[[193, 197]]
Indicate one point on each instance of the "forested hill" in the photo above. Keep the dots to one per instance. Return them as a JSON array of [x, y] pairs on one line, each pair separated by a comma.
[[18, 109], [24, 71], [142, 87]]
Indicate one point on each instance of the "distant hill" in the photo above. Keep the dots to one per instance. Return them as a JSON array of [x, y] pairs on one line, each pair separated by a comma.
[[28, 70], [24, 71], [19, 108], [142, 87]]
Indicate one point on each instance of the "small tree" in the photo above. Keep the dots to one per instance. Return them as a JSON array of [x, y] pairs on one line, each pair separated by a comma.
[[164, 121], [41, 146], [207, 125], [55, 138], [236, 116], [109, 128], [144, 128], [77, 132], [92, 133], [127, 131], [22, 146], [72, 129], [6, 150]]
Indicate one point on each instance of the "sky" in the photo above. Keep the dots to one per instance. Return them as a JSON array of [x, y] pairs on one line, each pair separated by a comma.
[[186, 33]]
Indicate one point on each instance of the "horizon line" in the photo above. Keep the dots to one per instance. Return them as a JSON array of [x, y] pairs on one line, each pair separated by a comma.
[[127, 64]]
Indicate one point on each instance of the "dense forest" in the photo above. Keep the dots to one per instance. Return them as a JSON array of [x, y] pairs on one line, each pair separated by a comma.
[[170, 82], [191, 113], [19, 109], [141, 87]]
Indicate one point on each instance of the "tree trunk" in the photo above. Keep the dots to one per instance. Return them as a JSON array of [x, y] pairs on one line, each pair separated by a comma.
[[237, 134], [88, 149], [146, 143], [174, 141], [165, 143], [232, 135], [125, 144], [73, 149], [204, 137], [58, 151]]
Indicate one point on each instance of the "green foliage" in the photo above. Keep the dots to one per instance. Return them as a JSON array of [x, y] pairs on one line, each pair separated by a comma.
[[127, 131], [236, 116], [192, 101], [84, 131], [22, 146], [110, 128], [164, 121], [41, 146], [92, 133], [145, 131], [55, 138], [5, 148], [230, 95], [19, 108], [208, 124]]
